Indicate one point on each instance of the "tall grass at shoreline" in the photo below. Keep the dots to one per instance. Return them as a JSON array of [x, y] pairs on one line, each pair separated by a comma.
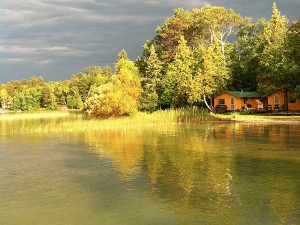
[[33, 116], [55, 122]]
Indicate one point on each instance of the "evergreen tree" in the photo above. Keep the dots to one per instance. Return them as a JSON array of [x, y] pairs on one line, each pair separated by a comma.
[[275, 73], [49, 98], [179, 76], [16, 102], [150, 82], [32, 100], [293, 53]]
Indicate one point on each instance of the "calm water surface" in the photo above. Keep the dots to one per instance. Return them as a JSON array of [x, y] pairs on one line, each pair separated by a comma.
[[204, 174]]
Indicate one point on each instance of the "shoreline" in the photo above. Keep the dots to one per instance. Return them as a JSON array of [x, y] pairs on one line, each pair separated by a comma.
[[261, 120], [160, 116]]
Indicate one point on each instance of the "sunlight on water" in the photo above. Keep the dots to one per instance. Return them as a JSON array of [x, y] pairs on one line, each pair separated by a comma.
[[234, 173]]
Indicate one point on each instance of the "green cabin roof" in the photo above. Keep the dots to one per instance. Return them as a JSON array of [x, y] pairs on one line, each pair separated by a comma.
[[244, 94]]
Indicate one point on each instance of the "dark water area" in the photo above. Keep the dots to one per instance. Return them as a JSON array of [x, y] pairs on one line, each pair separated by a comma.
[[234, 173]]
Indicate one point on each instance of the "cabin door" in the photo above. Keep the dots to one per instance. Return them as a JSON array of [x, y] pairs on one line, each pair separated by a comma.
[[232, 103]]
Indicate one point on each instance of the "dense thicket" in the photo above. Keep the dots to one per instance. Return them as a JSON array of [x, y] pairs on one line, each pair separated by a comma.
[[193, 56]]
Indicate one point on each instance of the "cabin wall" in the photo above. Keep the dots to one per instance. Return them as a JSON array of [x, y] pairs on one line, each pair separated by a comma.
[[291, 106], [295, 106], [227, 97], [271, 99]]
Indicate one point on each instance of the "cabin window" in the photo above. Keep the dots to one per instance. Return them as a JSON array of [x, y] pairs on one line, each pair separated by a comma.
[[276, 100], [232, 103], [221, 101], [245, 100]]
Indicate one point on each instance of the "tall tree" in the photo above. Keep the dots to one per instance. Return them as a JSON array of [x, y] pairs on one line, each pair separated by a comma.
[[217, 24], [150, 82], [178, 77], [293, 52], [275, 73], [48, 98], [212, 75], [33, 97], [169, 34]]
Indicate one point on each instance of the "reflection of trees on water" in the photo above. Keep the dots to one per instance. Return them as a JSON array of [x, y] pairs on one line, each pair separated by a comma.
[[207, 171], [124, 150], [199, 168]]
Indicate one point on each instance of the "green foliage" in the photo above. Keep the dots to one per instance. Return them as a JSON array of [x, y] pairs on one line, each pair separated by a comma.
[[189, 61], [293, 53], [118, 97], [4, 98], [245, 56], [150, 82], [33, 97], [297, 91], [276, 69], [61, 91], [168, 36], [49, 98], [107, 71], [178, 77], [16, 102], [293, 42], [212, 75], [35, 82], [84, 81], [74, 100], [217, 24]]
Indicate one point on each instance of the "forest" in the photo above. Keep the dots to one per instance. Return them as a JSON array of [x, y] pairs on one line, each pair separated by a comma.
[[193, 56]]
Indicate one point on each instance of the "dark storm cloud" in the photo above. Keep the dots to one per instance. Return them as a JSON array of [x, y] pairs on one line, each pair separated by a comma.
[[56, 38]]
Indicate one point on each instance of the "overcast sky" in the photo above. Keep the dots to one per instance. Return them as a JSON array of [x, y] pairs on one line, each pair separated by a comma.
[[56, 38]]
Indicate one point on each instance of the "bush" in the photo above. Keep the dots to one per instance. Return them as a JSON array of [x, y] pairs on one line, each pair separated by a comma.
[[118, 97]]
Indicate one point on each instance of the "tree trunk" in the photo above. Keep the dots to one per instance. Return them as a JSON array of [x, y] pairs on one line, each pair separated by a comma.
[[204, 98], [286, 101], [211, 103]]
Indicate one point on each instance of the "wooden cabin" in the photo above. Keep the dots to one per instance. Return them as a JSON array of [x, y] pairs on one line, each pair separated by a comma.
[[238, 100], [276, 102]]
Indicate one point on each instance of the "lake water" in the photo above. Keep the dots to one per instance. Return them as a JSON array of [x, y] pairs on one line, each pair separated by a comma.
[[233, 173]]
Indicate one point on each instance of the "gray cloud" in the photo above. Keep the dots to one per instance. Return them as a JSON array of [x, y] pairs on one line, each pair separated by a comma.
[[56, 38]]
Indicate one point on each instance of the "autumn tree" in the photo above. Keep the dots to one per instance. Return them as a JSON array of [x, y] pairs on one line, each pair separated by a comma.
[[118, 97]]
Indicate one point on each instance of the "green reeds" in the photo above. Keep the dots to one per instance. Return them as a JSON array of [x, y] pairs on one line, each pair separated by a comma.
[[69, 122]]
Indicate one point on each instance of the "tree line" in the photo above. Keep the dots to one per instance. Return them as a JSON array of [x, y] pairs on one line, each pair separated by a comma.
[[193, 56]]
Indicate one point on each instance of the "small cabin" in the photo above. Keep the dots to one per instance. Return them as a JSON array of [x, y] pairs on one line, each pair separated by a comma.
[[237, 100], [276, 101]]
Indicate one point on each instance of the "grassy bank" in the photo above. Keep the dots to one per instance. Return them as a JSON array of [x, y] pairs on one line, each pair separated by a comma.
[[73, 122], [257, 117]]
